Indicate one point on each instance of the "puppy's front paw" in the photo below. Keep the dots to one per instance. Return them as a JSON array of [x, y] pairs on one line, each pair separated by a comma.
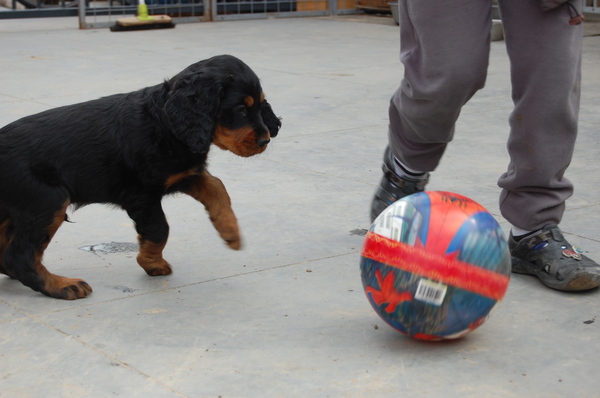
[[154, 267], [235, 243], [66, 288], [228, 229], [159, 269], [231, 236]]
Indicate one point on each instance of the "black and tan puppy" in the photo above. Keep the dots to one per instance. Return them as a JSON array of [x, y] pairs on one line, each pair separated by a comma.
[[127, 150]]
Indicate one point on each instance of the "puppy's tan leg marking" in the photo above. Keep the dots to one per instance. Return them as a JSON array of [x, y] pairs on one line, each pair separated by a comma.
[[150, 258], [211, 192], [55, 285], [60, 286]]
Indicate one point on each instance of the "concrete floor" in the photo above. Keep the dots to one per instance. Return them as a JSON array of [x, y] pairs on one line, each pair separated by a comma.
[[286, 316]]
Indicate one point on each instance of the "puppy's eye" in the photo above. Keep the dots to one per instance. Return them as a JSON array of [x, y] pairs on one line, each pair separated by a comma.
[[241, 110]]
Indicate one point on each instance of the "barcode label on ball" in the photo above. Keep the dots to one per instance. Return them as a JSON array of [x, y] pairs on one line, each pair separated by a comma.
[[431, 292]]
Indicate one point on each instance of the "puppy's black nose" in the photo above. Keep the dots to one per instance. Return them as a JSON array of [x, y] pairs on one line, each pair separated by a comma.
[[261, 142]]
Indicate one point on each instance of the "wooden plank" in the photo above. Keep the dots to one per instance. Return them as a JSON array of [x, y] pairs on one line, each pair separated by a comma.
[[130, 21]]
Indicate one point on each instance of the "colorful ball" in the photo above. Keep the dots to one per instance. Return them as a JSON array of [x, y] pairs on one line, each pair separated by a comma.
[[434, 264]]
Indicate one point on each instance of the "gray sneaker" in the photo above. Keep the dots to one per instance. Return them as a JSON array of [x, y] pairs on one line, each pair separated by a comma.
[[393, 187], [554, 261]]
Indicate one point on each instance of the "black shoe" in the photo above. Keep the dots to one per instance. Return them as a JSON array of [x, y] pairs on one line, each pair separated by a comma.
[[554, 261], [393, 187]]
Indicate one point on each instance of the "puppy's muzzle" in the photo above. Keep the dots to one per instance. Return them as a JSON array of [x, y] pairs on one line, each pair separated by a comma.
[[263, 142]]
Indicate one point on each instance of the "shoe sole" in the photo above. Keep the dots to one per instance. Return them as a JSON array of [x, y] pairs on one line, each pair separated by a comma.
[[582, 281]]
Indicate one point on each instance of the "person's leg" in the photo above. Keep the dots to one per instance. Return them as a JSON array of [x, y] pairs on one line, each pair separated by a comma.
[[445, 52], [545, 54]]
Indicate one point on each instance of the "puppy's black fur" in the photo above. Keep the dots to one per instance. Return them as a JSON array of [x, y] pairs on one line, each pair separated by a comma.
[[127, 150]]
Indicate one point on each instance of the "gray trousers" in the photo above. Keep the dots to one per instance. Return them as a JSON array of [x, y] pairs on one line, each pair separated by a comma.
[[445, 51]]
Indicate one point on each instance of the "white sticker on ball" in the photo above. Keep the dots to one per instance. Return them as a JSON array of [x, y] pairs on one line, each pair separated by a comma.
[[431, 292]]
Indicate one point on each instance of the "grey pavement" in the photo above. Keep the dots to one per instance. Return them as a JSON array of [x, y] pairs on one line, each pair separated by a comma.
[[287, 315]]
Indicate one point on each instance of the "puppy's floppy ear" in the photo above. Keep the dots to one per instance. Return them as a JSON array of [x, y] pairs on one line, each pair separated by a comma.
[[272, 122], [192, 106]]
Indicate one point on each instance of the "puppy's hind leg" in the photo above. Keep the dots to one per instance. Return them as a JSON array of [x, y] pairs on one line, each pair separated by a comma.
[[153, 232], [29, 237]]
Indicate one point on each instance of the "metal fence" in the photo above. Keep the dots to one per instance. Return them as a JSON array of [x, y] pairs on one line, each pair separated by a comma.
[[39, 8], [104, 13], [592, 6], [98, 13], [246, 9]]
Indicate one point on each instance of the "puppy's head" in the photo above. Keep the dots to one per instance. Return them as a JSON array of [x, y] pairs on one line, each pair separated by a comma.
[[220, 101]]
